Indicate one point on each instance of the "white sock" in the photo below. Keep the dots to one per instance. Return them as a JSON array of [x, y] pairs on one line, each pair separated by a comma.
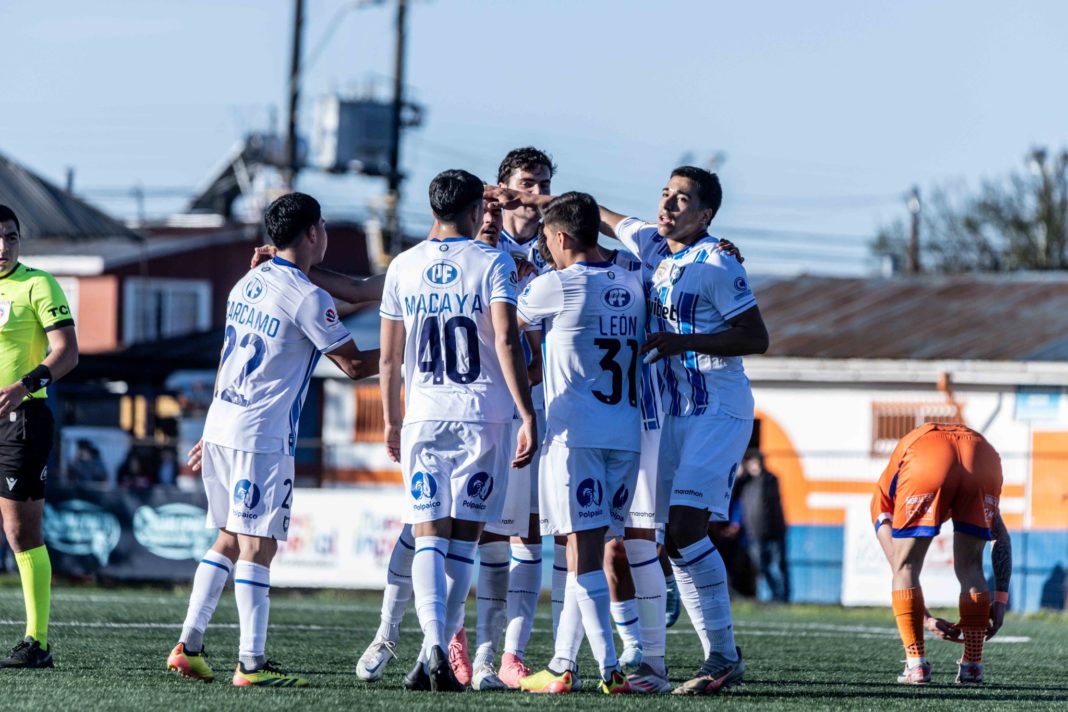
[[568, 637], [208, 582], [709, 575], [429, 587], [524, 586], [559, 583], [625, 616], [491, 598], [252, 589], [398, 586], [459, 568], [594, 603], [691, 602], [650, 591]]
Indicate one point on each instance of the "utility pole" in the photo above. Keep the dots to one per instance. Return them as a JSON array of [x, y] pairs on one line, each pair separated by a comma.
[[292, 166], [912, 257], [392, 238]]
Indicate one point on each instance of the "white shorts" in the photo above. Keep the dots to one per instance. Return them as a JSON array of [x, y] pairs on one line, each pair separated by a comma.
[[248, 492], [455, 469], [515, 515], [699, 456], [642, 514], [585, 488]]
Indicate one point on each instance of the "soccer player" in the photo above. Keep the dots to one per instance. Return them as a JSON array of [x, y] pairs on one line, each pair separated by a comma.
[[530, 171], [37, 347], [448, 312], [593, 317], [278, 324], [935, 473]]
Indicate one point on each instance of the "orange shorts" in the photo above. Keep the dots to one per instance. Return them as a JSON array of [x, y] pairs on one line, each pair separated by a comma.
[[939, 472]]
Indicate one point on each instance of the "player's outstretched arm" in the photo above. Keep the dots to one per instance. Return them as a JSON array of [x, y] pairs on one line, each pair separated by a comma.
[[389, 371], [513, 364], [354, 290], [747, 335], [355, 364], [1001, 557]]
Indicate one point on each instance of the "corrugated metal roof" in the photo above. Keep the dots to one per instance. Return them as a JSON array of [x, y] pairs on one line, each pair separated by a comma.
[[46, 211], [1017, 317]]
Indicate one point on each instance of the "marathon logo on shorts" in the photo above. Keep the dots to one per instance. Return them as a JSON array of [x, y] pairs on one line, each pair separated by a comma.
[[689, 493], [479, 488], [247, 495], [424, 490], [590, 493], [918, 506]]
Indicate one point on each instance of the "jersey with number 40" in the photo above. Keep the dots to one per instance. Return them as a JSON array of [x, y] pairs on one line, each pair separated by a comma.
[[442, 291], [277, 325], [593, 316]]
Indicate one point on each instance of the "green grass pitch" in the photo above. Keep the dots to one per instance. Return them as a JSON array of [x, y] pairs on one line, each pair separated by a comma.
[[111, 643]]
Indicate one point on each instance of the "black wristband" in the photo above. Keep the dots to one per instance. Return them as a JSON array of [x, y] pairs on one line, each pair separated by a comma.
[[37, 379]]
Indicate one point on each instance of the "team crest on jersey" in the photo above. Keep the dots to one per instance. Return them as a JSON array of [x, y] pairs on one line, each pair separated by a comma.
[[619, 499], [590, 493], [247, 494], [254, 290], [676, 273], [441, 273], [617, 298]]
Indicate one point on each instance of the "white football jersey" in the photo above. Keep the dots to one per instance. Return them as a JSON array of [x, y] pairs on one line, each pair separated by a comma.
[[695, 291], [277, 325], [527, 250], [593, 318], [650, 397], [442, 291]]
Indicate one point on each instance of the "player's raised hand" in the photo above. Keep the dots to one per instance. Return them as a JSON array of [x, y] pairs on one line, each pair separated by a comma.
[[942, 628], [262, 254], [195, 458], [525, 444], [392, 438], [997, 618], [729, 248]]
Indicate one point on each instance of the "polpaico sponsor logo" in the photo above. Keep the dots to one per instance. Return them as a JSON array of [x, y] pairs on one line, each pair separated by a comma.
[[173, 531], [81, 528]]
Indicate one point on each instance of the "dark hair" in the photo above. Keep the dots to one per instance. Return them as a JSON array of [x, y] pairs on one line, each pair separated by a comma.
[[289, 216], [576, 214], [526, 158], [709, 192], [6, 214], [452, 192]]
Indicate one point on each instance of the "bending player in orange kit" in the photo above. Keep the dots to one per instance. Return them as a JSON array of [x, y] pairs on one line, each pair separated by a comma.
[[938, 472]]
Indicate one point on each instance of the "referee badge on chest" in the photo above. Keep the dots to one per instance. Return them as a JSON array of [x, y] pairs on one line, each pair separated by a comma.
[[5, 312]]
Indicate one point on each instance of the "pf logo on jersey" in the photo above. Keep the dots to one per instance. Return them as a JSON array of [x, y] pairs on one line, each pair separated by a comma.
[[246, 493], [590, 493], [254, 289], [441, 273], [618, 298]]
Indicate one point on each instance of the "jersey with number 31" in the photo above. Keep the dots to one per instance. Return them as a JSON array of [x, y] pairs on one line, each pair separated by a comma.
[[593, 315], [277, 325], [442, 291]]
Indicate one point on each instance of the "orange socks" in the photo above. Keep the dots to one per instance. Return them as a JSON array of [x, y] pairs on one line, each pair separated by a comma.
[[974, 618], [908, 610]]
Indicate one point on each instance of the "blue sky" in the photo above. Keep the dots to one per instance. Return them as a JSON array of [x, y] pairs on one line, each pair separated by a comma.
[[827, 111]]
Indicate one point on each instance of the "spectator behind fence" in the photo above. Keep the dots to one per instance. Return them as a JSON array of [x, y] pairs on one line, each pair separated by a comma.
[[757, 490], [87, 467]]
